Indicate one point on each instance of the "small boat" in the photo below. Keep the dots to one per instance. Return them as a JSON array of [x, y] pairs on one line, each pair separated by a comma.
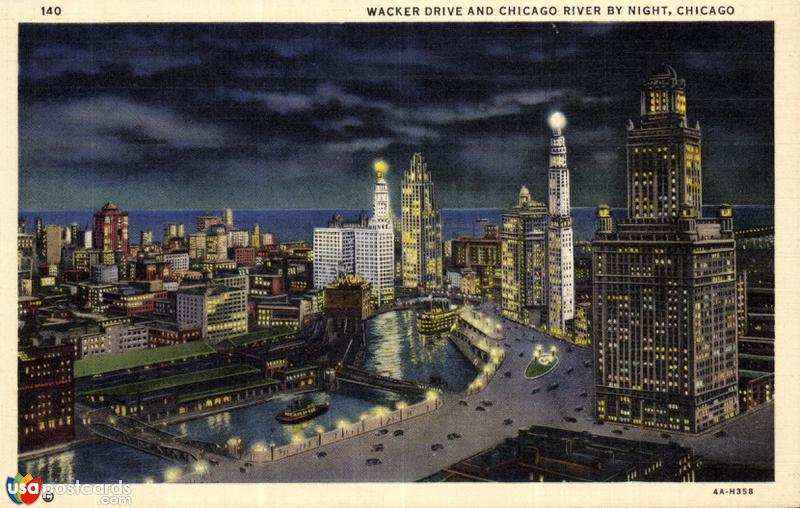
[[300, 410]]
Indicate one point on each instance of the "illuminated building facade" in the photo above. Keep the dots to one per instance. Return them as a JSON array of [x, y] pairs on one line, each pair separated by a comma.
[[218, 310], [46, 395], [334, 253], [421, 223], [664, 284], [374, 245], [482, 255], [174, 230], [524, 261], [111, 229], [560, 259]]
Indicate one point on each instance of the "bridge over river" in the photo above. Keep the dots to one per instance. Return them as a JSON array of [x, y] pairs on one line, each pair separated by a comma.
[[152, 439]]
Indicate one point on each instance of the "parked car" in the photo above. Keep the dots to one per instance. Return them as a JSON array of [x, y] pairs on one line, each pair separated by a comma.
[[583, 394], [721, 433], [378, 447], [569, 370], [617, 431], [463, 403], [480, 408], [552, 387], [453, 435], [398, 433], [508, 421], [578, 409], [535, 390], [381, 432], [373, 462], [570, 419], [486, 403], [507, 374], [665, 435], [322, 455], [437, 446]]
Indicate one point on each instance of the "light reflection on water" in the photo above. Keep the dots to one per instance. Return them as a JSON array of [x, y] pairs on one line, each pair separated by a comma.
[[395, 348]]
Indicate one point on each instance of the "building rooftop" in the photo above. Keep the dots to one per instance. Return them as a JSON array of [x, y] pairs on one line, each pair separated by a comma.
[[176, 381], [272, 334], [134, 359]]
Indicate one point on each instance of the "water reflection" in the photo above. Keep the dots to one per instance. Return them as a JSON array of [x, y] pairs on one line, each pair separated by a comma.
[[397, 349]]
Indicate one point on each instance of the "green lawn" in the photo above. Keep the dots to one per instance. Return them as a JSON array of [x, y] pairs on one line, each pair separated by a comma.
[[536, 369]]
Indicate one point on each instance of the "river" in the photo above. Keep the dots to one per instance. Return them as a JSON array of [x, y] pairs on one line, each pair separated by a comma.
[[395, 348]]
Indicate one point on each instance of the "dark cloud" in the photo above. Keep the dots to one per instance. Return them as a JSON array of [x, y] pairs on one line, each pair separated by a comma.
[[262, 116]]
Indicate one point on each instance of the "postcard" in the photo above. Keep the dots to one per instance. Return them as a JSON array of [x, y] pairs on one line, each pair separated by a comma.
[[368, 254]]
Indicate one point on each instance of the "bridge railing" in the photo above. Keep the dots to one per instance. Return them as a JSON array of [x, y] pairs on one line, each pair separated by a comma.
[[344, 431]]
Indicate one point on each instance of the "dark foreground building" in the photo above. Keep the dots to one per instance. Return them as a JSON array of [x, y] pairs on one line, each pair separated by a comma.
[[664, 282], [547, 454], [46, 395]]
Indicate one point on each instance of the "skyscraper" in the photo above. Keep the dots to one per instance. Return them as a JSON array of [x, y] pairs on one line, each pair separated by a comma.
[[227, 216], [374, 245], [334, 254], [421, 227], [111, 229], [524, 261], [52, 243], [664, 282], [256, 239], [560, 270]]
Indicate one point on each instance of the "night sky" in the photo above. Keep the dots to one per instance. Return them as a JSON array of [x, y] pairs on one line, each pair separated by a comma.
[[292, 116]]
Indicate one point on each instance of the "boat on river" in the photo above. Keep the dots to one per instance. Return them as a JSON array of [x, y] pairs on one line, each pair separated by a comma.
[[300, 410]]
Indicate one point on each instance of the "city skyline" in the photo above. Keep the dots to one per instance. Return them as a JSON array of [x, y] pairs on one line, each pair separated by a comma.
[[263, 100]]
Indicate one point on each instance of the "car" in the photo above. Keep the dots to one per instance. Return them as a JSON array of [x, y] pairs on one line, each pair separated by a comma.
[[322, 455], [486, 403], [480, 408], [617, 431], [535, 390], [570, 419], [507, 374], [463, 403], [246, 464], [569, 370], [552, 387], [373, 462], [508, 421], [398, 433], [665, 435], [507, 345], [378, 447], [516, 339], [599, 422], [583, 394], [721, 433], [587, 363], [437, 446], [381, 432], [453, 435], [521, 355], [242, 470], [569, 349], [579, 409]]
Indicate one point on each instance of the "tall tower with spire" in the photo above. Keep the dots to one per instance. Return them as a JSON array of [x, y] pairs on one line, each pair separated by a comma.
[[560, 270], [374, 245]]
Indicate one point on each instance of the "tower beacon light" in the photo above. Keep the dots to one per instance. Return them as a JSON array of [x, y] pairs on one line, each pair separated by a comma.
[[557, 121]]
